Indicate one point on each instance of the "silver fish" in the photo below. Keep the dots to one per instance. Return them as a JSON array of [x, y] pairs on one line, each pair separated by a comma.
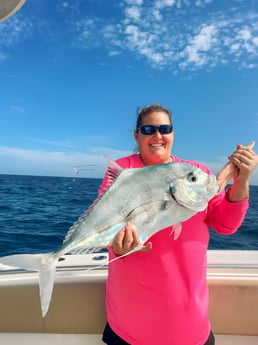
[[149, 198]]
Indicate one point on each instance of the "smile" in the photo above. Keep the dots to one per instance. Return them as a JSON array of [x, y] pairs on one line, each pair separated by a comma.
[[156, 145]]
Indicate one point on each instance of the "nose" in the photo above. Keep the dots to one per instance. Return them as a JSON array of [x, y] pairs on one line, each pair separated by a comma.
[[157, 133]]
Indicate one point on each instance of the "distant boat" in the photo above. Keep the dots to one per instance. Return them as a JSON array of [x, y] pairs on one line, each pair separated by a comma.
[[77, 312]]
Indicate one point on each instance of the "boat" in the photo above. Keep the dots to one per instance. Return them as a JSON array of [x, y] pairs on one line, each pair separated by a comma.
[[77, 311]]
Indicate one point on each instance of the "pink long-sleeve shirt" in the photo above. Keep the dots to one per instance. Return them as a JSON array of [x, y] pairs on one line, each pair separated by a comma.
[[161, 297]]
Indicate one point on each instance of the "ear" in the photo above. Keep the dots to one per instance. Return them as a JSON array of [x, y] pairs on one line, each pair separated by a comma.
[[136, 136]]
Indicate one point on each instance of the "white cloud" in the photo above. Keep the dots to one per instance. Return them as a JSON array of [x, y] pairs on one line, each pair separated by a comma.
[[134, 2], [244, 34], [197, 51], [17, 109], [39, 162], [206, 38], [175, 34], [133, 13], [164, 3], [111, 33], [86, 29], [65, 4], [14, 30], [255, 41], [235, 47], [53, 143], [156, 14], [144, 43], [3, 57], [71, 6], [202, 2], [178, 37], [114, 53]]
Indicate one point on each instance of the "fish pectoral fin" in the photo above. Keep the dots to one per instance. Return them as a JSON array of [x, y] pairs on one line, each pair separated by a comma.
[[176, 230]]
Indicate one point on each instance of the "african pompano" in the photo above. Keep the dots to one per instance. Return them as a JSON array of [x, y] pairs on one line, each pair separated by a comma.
[[150, 198]]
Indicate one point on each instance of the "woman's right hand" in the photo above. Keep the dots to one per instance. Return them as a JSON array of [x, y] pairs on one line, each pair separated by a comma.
[[128, 239]]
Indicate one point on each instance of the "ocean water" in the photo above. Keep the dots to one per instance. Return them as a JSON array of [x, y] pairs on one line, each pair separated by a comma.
[[36, 213]]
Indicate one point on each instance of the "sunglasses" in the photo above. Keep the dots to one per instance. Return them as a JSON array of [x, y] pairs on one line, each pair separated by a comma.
[[150, 129]]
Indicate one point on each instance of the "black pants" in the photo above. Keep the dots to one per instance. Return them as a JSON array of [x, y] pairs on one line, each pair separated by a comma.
[[110, 338]]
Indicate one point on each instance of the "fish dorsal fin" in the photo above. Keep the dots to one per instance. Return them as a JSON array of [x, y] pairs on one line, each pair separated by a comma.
[[113, 171], [113, 168]]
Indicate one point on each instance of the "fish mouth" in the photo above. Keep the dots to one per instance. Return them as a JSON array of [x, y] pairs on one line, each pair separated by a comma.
[[175, 199], [178, 203], [172, 193]]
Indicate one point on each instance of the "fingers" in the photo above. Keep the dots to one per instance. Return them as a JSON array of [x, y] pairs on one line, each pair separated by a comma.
[[125, 240], [251, 145], [146, 248], [244, 154], [117, 243], [131, 238], [225, 174], [245, 159]]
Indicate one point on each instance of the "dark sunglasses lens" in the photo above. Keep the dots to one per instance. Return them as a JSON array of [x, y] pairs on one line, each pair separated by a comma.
[[165, 129], [148, 129]]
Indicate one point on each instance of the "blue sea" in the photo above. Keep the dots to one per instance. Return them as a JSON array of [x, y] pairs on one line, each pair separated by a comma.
[[36, 213]]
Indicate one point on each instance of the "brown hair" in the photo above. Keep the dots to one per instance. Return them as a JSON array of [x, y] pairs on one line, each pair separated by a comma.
[[142, 112]]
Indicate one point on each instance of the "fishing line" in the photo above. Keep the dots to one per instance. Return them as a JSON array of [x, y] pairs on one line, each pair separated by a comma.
[[78, 168]]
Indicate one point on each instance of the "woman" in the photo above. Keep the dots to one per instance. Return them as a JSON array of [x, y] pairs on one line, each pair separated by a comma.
[[160, 295]]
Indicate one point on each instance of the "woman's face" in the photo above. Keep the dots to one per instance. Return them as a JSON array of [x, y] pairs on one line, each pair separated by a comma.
[[156, 148]]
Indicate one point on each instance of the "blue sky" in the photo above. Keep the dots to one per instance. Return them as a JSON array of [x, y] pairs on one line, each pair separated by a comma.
[[73, 73]]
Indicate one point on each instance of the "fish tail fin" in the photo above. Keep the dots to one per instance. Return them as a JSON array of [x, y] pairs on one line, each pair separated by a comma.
[[46, 281], [45, 264]]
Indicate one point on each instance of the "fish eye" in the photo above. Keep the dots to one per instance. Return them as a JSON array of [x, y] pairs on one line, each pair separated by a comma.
[[191, 177]]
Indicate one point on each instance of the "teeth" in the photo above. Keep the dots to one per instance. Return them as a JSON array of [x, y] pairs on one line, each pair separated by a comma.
[[156, 145]]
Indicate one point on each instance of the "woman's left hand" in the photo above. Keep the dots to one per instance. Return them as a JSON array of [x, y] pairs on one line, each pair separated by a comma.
[[245, 161], [128, 239]]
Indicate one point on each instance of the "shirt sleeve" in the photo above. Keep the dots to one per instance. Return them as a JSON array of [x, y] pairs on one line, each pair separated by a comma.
[[226, 217]]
